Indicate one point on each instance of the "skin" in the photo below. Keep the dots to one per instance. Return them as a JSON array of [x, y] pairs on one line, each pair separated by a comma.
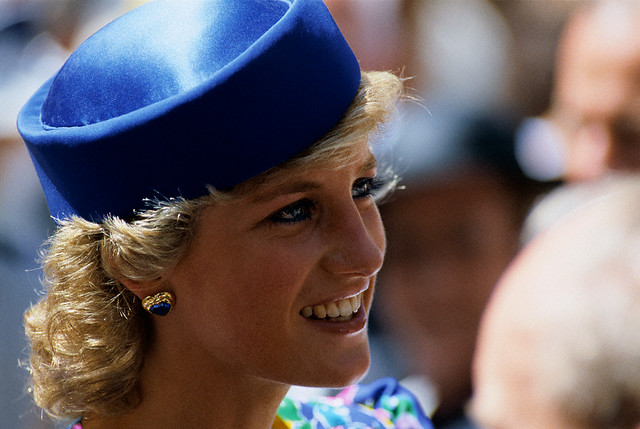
[[596, 100], [448, 243], [235, 340]]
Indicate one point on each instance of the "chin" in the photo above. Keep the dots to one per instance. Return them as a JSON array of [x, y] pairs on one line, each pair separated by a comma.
[[341, 373], [348, 381]]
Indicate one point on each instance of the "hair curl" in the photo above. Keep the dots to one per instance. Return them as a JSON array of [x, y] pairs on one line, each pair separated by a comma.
[[88, 333]]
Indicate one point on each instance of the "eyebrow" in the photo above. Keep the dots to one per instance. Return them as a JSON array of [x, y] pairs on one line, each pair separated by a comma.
[[370, 164], [291, 188], [305, 185]]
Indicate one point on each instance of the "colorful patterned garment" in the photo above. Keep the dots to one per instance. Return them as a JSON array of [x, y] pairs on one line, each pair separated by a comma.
[[383, 404]]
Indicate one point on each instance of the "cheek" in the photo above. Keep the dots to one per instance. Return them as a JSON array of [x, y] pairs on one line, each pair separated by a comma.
[[256, 283], [241, 310], [250, 286]]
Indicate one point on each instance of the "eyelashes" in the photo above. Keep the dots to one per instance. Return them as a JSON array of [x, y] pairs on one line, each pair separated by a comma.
[[294, 213], [375, 188]]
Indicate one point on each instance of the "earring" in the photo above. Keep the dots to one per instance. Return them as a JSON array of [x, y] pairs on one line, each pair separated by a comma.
[[159, 304]]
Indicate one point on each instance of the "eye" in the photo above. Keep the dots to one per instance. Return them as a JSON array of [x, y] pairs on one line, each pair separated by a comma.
[[375, 187], [294, 213]]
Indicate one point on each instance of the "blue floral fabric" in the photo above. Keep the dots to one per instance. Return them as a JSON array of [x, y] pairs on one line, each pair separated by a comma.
[[383, 404]]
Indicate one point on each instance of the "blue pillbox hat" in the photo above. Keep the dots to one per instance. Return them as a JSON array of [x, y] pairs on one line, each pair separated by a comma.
[[177, 95]]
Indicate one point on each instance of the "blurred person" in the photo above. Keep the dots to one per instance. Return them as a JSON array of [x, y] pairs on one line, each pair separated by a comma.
[[592, 128], [451, 232], [559, 344], [593, 123]]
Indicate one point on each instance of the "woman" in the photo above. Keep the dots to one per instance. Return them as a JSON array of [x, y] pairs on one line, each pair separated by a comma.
[[211, 165]]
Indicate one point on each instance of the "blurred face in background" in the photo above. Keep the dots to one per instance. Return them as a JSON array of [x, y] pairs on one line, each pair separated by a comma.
[[597, 95]]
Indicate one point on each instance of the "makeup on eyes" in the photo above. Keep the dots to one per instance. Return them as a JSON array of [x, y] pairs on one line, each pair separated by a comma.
[[294, 213], [291, 202], [302, 209]]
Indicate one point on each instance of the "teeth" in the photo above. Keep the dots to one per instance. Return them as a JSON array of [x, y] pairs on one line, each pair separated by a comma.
[[332, 310], [340, 311], [320, 311], [344, 307], [355, 302]]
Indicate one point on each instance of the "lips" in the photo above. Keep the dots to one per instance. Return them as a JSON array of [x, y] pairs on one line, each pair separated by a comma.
[[336, 311]]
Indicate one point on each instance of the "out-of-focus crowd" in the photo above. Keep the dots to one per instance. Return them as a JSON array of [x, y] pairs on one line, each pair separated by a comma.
[[520, 112]]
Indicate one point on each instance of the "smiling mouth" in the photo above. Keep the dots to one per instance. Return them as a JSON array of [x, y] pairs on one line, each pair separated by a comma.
[[336, 311]]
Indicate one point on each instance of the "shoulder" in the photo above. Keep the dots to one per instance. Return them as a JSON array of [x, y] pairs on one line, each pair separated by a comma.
[[383, 404]]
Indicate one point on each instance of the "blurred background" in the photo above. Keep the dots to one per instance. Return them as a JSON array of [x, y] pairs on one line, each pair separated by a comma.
[[476, 148]]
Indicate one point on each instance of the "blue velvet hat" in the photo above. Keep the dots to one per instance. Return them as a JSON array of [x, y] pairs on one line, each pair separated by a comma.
[[176, 95]]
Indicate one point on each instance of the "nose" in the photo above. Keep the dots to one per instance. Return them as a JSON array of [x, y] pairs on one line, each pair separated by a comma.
[[357, 242]]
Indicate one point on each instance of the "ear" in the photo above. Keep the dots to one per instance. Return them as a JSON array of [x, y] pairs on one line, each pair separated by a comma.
[[142, 289]]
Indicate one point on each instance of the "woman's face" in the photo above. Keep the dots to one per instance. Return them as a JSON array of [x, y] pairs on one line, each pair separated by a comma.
[[263, 269]]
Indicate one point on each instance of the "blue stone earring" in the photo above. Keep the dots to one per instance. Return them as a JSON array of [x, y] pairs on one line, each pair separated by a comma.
[[159, 304]]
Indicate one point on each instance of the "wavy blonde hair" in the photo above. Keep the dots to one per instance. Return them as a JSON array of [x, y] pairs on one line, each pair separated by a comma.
[[88, 333]]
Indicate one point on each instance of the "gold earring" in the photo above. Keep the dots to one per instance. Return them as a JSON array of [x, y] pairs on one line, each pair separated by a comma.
[[159, 304]]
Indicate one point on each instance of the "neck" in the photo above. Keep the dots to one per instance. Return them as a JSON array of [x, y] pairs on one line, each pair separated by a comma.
[[178, 390]]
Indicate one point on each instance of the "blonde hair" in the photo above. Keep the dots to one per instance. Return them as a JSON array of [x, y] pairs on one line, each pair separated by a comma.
[[88, 333]]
